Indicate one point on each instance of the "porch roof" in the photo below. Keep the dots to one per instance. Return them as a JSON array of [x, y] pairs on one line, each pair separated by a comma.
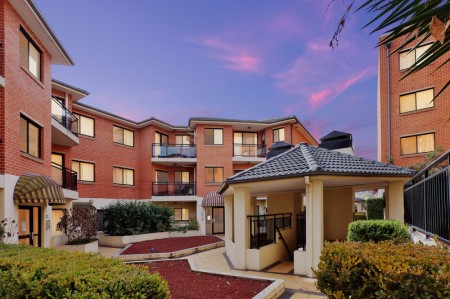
[[306, 160], [32, 188]]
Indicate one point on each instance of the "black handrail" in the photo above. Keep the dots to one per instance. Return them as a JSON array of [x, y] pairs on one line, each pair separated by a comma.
[[284, 242], [65, 177], [173, 151], [175, 189], [249, 150], [263, 228], [65, 117]]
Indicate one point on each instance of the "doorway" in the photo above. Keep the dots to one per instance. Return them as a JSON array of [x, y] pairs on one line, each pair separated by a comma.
[[30, 226], [215, 220]]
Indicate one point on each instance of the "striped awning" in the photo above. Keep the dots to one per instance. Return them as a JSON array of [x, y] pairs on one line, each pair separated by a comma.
[[37, 188], [212, 199]]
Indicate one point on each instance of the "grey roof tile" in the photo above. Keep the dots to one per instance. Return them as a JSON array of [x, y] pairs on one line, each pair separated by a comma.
[[305, 159]]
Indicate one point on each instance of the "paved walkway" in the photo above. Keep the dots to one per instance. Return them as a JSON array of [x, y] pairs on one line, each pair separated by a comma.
[[296, 287]]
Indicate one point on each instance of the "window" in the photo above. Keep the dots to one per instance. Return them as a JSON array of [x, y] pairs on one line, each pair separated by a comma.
[[30, 137], [181, 214], [123, 176], [123, 136], [85, 171], [245, 138], [182, 177], [161, 138], [214, 175], [278, 135], [162, 176], [85, 125], [213, 136], [417, 144], [183, 140], [417, 100], [409, 57], [30, 55]]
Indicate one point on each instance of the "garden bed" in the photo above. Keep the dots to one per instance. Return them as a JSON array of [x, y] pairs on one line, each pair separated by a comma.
[[121, 241], [169, 247], [185, 283]]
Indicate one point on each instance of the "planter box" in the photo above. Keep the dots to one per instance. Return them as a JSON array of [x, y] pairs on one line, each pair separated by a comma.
[[122, 241], [89, 247]]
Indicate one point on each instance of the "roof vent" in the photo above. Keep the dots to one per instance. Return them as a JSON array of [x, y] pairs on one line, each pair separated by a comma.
[[278, 148], [338, 141]]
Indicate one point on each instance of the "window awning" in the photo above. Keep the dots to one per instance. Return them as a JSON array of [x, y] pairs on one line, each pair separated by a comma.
[[212, 199], [37, 188]]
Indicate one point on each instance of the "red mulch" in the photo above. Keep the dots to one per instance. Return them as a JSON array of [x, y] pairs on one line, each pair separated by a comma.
[[185, 283], [170, 244]]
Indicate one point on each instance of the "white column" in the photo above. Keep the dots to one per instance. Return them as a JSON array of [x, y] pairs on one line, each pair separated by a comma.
[[395, 200], [314, 223], [228, 205], [46, 232], [241, 226]]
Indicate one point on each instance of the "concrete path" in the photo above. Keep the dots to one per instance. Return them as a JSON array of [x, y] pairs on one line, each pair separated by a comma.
[[296, 287]]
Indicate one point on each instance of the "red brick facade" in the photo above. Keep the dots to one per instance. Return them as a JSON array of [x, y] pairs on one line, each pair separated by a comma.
[[433, 119]]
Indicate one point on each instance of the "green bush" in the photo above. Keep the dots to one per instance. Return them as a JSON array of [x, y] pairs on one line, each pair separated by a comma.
[[377, 231], [27, 272], [375, 208], [383, 270], [192, 225], [134, 217]]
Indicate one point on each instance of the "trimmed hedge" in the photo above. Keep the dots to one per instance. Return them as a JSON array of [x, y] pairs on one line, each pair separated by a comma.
[[377, 231], [383, 270], [27, 272], [375, 208], [125, 218]]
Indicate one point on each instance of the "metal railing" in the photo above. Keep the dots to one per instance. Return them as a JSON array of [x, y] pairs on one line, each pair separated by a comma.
[[173, 151], [263, 228], [65, 177], [249, 150], [62, 115], [427, 199], [301, 230], [176, 189]]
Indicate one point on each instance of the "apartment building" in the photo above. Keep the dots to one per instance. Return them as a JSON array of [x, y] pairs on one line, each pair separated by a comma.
[[55, 151], [410, 124], [152, 160]]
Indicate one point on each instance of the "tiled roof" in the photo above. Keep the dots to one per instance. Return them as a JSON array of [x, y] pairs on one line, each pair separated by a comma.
[[264, 121], [304, 159]]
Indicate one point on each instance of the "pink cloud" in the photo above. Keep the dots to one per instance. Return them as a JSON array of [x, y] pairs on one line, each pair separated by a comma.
[[235, 58]]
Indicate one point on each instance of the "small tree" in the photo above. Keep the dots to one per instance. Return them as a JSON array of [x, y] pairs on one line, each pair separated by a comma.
[[80, 223]]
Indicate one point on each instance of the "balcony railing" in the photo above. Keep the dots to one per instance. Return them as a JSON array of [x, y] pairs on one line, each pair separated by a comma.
[[62, 115], [263, 228], [65, 177], [173, 151], [173, 189], [249, 150]]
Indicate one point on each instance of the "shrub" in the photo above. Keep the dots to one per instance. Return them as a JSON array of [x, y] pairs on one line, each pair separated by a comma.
[[375, 208], [192, 225], [383, 270], [134, 217], [27, 272], [80, 223], [377, 231]]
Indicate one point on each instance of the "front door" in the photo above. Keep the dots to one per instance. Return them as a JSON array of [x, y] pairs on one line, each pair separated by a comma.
[[29, 226], [215, 220]]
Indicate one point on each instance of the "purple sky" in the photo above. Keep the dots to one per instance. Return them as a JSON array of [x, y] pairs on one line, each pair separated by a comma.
[[235, 59]]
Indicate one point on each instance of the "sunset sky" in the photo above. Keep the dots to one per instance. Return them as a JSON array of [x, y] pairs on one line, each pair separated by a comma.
[[233, 59]]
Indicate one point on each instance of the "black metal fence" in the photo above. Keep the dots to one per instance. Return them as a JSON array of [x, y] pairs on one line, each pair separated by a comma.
[[177, 189], [427, 199], [65, 177], [62, 115], [263, 228], [173, 151], [301, 230]]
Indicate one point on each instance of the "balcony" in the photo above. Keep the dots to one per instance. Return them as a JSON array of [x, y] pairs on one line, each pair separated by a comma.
[[65, 177], [253, 153], [174, 189], [170, 154], [64, 125]]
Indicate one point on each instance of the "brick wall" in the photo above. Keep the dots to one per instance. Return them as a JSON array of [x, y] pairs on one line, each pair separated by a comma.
[[23, 94], [427, 120]]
